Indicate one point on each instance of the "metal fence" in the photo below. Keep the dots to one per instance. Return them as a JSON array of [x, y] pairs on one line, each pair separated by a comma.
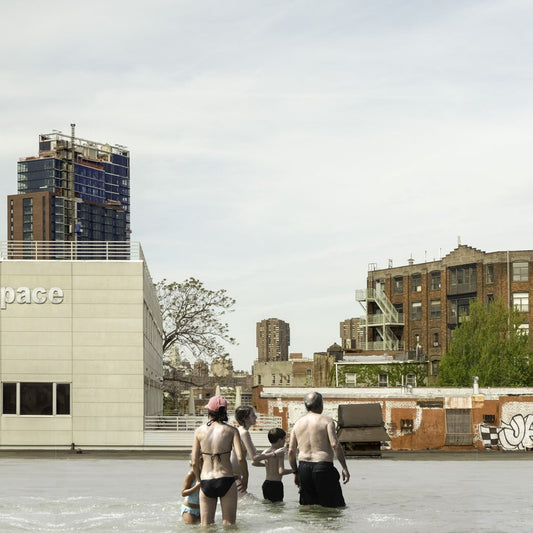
[[71, 250], [190, 423]]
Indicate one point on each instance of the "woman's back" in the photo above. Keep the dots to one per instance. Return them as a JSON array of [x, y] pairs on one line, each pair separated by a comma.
[[216, 442]]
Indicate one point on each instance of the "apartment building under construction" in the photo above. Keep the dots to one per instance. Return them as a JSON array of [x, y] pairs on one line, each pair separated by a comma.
[[74, 190]]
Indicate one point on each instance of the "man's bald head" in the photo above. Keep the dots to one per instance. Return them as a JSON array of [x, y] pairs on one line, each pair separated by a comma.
[[314, 402]]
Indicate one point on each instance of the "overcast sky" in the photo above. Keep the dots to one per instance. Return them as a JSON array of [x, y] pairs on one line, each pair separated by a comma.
[[279, 147]]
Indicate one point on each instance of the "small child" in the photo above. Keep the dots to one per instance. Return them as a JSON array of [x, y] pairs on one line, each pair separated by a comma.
[[275, 466], [190, 508]]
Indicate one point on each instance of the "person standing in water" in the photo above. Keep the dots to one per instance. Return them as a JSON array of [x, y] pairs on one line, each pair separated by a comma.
[[246, 418], [314, 443], [211, 452]]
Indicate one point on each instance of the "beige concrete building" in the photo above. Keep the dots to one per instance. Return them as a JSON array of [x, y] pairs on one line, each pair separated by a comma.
[[80, 350]]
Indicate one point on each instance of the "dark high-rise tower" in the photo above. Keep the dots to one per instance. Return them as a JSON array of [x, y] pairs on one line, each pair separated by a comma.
[[74, 190]]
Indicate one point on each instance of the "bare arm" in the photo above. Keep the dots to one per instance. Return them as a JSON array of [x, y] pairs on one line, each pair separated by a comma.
[[281, 466], [237, 446], [293, 451], [254, 454], [196, 456], [339, 451], [187, 488]]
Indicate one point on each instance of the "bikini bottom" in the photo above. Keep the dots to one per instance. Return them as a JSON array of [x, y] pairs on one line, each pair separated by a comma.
[[216, 488]]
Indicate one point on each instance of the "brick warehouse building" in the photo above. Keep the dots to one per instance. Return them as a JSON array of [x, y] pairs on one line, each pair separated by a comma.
[[416, 307]]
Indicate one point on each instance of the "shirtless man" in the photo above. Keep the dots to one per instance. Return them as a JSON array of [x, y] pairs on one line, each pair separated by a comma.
[[314, 443]]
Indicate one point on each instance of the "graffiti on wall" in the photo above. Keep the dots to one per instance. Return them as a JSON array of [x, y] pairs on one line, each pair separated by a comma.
[[517, 434]]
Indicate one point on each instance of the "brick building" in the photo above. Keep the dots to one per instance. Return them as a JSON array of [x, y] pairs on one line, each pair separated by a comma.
[[416, 307]]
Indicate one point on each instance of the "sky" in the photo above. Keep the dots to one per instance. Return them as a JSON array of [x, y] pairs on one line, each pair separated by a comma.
[[279, 147]]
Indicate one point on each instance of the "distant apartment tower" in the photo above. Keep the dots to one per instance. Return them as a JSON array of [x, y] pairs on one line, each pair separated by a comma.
[[272, 340], [416, 307], [350, 334], [74, 190]]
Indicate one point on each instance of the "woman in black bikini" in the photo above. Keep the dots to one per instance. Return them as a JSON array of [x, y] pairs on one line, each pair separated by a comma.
[[212, 446]]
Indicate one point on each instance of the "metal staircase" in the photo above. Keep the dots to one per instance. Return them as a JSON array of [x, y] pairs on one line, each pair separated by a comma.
[[382, 321]]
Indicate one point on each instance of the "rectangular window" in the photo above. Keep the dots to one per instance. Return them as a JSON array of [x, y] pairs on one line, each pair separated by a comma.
[[273, 379], [435, 367], [410, 379], [435, 308], [259, 379], [458, 427], [416, 311], [523, 329], [463, 279], [435, 281], [520, 271], [9, 398], [416, 283], [383, 380], [36, 399], [490, 274], [521, 301], [62, 399], [281, 379], [398, 285], [406, 424], [489, 419], [435, 339], [350, 379]]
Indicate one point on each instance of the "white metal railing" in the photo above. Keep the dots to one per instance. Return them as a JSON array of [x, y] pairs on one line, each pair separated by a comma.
[[71, 250], [190, 423]]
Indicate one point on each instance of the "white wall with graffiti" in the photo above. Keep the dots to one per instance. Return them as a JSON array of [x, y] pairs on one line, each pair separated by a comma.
[[515, 431]]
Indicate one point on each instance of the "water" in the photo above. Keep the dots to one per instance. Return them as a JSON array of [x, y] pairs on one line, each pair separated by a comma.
[[416, 493]]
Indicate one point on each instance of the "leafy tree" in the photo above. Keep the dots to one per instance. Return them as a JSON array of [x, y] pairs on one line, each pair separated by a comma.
[[490, 345], [193, 318]]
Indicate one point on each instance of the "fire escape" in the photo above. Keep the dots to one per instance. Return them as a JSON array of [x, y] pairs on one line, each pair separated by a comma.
[[379, 324]]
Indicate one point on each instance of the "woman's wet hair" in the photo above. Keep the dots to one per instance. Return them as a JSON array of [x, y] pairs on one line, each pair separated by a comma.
[[242, 413], [219, 416]]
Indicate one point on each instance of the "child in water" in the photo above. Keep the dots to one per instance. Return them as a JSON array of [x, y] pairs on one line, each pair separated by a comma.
[[275, 467], [190, 508]]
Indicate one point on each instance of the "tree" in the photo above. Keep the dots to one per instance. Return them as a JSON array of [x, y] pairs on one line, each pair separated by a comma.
[[192, 318], [489, 344]]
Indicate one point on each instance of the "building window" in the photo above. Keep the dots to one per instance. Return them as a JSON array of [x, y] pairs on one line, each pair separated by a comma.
[[416, 311], [458, 427], [398, 285], [489, 419], [407, 424], [490, 274], [435, 367], [308, 372], [281, 379], [435, 281], [9, 398], [383, 380], [410, 380], [273, 379], [36, 399], [523, 329], [520, 271], [435, 308], [490, 299], [259, 379], [521, 301], [463, 279], [288, 378], [435, 339], [416, 283], [350, 379]]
